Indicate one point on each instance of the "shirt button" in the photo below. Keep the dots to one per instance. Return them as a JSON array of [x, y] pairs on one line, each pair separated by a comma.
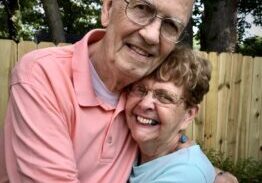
[[109, 140]]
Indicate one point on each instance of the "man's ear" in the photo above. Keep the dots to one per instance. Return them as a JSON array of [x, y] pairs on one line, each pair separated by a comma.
[[106, 12], [189, 116]]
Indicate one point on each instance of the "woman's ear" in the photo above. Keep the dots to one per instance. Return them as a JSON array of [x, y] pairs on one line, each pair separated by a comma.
[[189, 116], [106, 12]]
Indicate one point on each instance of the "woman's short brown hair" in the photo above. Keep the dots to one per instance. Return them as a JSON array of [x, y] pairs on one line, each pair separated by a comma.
[[186, 68]]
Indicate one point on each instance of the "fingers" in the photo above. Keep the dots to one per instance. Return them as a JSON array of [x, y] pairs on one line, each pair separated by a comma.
[[225, 177]]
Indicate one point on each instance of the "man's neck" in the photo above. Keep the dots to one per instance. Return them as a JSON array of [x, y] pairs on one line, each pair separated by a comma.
[[113, 79]]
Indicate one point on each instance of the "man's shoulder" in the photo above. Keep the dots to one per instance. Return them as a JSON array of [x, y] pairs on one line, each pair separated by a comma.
[[45, 54], [41, 62]]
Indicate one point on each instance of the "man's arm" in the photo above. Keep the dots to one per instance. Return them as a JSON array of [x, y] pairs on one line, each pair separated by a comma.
[[38, 146]]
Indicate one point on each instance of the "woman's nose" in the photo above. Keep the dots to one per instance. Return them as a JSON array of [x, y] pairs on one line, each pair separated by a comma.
[[148, 101]]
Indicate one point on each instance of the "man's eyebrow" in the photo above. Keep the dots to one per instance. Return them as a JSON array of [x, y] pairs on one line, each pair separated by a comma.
[[177, 19], [174, 18]]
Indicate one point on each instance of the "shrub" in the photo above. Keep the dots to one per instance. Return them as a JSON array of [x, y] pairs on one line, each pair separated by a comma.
[[246, 170]]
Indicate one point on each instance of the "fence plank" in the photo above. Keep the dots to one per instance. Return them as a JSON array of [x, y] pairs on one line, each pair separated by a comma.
[[211, 103], [190, 130], [45, 45], [8, 57], [256, 111], [225, 64], [233, 104], [199, 123], [25, 47], [244, 108]]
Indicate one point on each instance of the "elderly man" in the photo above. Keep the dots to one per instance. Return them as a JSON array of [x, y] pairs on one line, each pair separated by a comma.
[[65, 120]]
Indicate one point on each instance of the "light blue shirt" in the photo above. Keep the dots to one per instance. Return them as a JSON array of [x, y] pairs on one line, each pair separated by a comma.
[[187, 165]]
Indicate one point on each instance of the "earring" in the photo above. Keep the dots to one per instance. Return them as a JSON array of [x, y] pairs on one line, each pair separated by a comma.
[[183, 138]]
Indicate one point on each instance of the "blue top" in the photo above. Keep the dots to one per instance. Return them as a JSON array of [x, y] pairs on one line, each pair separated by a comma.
[[187, 165]]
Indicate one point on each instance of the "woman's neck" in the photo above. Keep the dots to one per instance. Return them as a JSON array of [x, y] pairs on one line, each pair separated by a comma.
[[153, 151]]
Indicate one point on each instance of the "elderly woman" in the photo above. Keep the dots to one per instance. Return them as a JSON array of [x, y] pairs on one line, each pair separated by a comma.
[[158, 109]]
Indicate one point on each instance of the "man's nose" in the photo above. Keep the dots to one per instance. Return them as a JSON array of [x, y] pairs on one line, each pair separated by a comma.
[[151, 32]]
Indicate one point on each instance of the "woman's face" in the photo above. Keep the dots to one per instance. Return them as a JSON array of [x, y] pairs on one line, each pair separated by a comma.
[[157, 118]]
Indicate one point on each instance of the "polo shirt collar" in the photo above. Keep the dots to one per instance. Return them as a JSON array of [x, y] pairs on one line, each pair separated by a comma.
[[81, 71]]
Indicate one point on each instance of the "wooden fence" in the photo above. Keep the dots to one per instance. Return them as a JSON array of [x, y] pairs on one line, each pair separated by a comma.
[[230, 119]]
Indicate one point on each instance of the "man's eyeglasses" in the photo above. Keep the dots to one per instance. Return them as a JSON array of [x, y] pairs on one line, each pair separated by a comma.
[[143, 13], [161, 96]]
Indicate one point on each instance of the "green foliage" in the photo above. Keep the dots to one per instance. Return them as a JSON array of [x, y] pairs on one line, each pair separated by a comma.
[[197, 14], [33, 18], [246, 170], [254, 7], [16, 19], [28, 20], [251, 46], [79, 16], [3, 20], [246, 7]]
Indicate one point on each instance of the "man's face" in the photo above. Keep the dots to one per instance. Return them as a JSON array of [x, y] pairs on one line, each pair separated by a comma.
[[152, 118], [134, 50]]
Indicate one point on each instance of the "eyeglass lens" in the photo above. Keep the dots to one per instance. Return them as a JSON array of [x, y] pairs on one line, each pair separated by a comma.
[[162, 96], [142, 13]]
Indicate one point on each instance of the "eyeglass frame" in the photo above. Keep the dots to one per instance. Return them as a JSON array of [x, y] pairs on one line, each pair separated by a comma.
[[176, 21], [176, 100]]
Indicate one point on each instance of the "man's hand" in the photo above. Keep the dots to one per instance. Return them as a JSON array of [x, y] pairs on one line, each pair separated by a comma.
[[224, 177]]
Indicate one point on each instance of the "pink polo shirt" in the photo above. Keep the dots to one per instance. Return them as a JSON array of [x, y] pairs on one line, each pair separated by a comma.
[[56, 129]]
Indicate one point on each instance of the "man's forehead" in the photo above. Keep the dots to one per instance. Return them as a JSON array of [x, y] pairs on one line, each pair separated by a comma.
[[180, 9]]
